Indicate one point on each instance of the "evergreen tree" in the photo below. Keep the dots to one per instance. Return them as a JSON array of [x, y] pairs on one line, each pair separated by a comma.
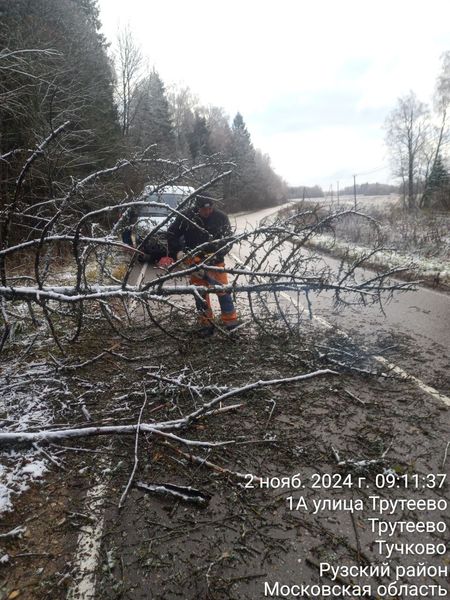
[[198, 138], [241, 137], [69, 77], [241, 191], [92, 12], [53, 69], [152, 123], [437, 188], [439, 176]]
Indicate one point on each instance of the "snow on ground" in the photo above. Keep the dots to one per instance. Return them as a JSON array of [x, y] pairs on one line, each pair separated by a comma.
[[418, 241], [363, 203], [32, 392], [16, 478], [426, 267], [27, 393], [347, 201]]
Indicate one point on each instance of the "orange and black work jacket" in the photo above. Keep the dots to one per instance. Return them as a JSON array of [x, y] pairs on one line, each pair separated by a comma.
[[197, 231]]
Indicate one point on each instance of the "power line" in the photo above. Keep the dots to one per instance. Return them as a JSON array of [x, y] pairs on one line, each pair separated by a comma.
[[373, 170]]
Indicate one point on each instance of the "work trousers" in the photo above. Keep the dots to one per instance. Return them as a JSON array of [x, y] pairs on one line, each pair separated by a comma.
[[207, 278]]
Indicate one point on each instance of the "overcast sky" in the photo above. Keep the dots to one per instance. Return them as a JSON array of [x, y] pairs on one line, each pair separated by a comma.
[[313, 79]]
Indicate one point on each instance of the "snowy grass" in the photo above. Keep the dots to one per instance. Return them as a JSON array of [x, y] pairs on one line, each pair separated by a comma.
[[431, 268], [420, 240]]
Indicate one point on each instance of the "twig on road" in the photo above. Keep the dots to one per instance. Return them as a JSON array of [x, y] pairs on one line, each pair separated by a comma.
[[16, 532], [136, 458], [50, 458], [354, 397], [161, 428], [445, 454], [223, 471], [187, 494]]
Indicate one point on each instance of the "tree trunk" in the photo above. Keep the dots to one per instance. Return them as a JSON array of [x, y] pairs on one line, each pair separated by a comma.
[[411, 202]]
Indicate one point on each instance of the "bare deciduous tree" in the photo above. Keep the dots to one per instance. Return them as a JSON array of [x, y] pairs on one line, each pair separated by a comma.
[[130, 64], [182, 104], [408, 132]]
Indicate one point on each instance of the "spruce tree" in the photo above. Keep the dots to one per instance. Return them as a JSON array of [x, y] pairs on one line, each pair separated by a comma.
[[152, 123], [198, 138], [68, 78], [54, 69], [241, 192], [437, 189], [439, 175]]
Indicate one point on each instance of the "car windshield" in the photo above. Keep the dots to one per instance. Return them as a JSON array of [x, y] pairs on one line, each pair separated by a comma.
[[153, 211], [172, 201]]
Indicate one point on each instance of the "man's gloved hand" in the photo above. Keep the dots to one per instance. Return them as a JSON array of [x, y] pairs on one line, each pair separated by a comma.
[[165, 262], [180, 254], [207, 258], [213, 260]]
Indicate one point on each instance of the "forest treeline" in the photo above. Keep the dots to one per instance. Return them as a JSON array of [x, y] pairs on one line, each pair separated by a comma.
[[57, 70], [362, 189], [371, 189]]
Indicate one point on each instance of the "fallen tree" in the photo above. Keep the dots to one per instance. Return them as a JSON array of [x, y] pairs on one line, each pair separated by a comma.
[[274, 257], [59, 285]]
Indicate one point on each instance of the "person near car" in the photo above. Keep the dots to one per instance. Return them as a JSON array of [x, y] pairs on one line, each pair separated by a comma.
[[205, 231], [129, 219]]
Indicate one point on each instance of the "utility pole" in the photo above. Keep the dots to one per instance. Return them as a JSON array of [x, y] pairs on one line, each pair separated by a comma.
[[338, 193], [354, 190]]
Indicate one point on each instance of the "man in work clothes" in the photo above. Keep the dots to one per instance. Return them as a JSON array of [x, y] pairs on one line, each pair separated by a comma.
[[205, 226]]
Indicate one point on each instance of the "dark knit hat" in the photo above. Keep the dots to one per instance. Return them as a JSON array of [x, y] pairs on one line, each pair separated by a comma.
[[204, 202]]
